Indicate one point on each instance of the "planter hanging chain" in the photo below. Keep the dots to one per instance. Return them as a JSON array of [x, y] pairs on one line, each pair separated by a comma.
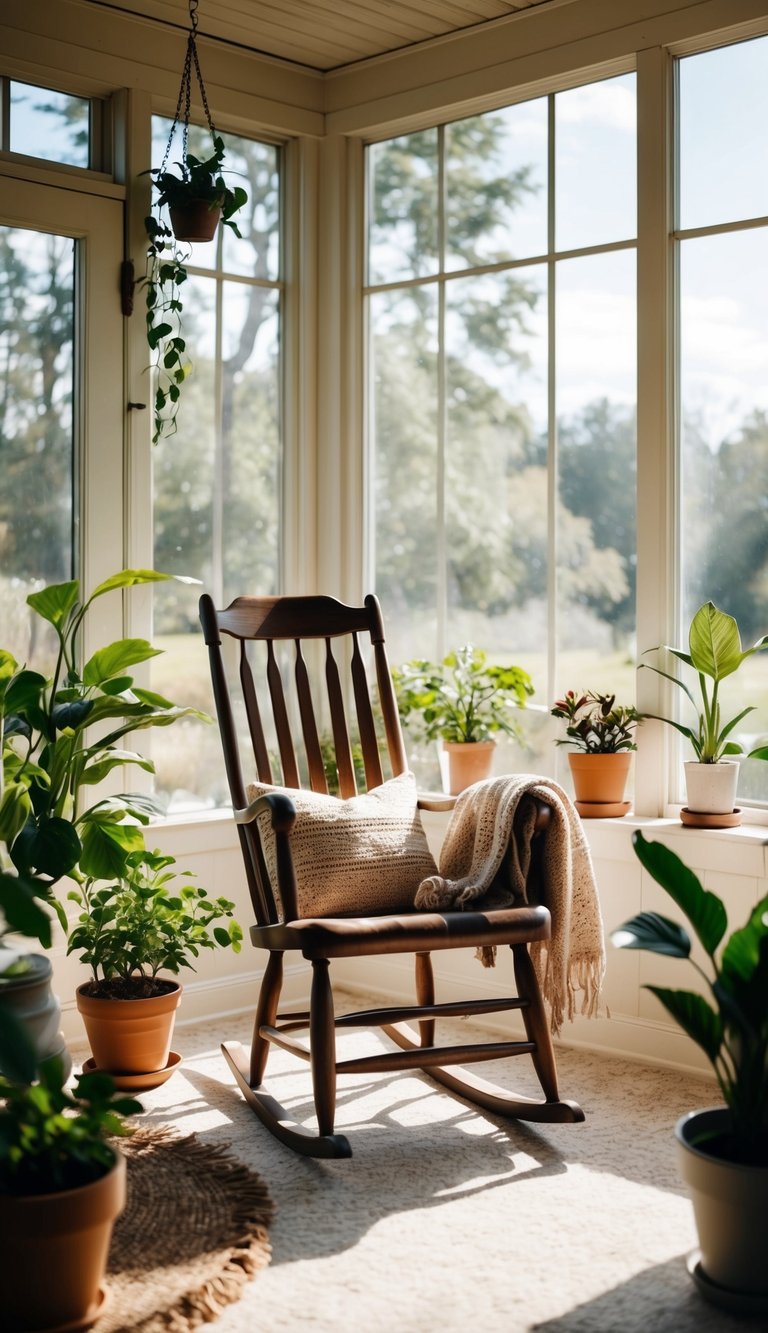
[[185, 95]]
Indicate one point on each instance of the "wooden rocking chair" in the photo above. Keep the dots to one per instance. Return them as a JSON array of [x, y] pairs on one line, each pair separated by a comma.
[[290, 624]]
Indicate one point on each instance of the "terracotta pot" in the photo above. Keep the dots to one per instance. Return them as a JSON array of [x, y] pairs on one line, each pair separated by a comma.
[[730, 1205], [468, 762], [129, 1036], [711, 788], [194, 221], [54, 1252], [600, 780], [37, 1008]]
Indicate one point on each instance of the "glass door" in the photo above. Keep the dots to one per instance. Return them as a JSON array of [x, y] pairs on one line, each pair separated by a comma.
[[61, 398]]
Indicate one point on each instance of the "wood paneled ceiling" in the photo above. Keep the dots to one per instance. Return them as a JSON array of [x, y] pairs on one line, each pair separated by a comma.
[[327, 34]]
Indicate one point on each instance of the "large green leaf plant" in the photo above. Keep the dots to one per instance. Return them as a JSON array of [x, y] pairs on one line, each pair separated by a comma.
[[730, 1024], [61, 735], [715, 652]]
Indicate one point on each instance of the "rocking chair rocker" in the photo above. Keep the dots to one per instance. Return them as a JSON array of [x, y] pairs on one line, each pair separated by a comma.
[[300, 626]]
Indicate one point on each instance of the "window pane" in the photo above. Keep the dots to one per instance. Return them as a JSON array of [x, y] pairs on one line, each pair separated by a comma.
[[403, 378], [217, 481], [51, 125], [595, 171], [36, 423], [596, 474], [496, 174], [403, 197], [724, 392], [495, 503], [723, 112]]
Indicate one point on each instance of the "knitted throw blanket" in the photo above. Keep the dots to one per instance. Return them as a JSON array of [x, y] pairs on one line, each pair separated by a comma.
[[484, 864]]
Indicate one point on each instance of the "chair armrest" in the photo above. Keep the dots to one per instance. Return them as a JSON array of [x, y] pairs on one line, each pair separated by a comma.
[[281, 806], [438, 803]]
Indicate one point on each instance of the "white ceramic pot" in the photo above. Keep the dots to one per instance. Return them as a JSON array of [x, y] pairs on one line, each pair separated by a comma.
[[711, 788], [730, 1205], [36, 1007]]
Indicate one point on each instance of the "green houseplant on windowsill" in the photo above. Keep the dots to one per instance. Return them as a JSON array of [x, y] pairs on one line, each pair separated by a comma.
[[715, 652], [722, 1153], [462, 701], [602, 734]]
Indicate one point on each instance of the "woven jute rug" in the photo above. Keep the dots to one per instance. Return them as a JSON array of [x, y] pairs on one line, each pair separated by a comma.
[[194, 1232]]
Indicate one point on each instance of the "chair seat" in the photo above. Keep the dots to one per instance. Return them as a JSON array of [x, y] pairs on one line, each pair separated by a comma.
[[417, 932]]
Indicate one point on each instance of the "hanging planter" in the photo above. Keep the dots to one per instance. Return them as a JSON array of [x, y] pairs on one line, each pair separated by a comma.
[[196, 198]]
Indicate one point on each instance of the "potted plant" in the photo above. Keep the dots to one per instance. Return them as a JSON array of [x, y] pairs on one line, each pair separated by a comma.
[[127, 932], [722, 1152], [602, 733], [62, 1186], [462, 701], [715, 652], [197, 197]]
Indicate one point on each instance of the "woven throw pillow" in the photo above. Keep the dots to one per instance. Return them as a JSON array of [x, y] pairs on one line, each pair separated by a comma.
[[359, 857]]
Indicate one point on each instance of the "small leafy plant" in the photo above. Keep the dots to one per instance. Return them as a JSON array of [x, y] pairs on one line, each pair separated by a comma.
[[732, 1026], [596, 724], [52, 1139], [130, 930], [461, 698], [715, 652]]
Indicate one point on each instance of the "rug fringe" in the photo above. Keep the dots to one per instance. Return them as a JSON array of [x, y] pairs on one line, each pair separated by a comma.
[[247, 1255]]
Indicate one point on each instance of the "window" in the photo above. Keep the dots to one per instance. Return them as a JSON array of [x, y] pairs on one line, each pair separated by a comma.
[[502, 366], [37, 439], [61, 435], [55, 126], [217, 480], [722, 235]]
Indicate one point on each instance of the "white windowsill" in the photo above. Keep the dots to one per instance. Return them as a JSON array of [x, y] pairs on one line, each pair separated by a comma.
[[741, 850]]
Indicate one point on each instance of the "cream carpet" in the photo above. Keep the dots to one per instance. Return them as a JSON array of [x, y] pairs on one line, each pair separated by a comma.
[[447, 1219]]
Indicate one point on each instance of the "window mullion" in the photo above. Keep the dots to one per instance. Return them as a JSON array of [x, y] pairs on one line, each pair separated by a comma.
[[442, 404], [656, 477], [552, 478]]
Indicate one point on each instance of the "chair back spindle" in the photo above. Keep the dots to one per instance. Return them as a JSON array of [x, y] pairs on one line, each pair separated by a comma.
[[304, 723]]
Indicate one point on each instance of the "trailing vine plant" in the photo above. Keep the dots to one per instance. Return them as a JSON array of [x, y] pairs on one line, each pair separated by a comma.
[[168, 254], [166, 271]]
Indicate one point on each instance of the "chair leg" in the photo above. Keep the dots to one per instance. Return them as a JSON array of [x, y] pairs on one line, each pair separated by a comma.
[[266, 1012], [487, 1095], [425, 994], [535, 1020], [322, 1040], [248, 1069]]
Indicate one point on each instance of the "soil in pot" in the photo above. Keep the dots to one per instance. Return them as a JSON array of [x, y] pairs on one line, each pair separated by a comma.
[[129, 1035]]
